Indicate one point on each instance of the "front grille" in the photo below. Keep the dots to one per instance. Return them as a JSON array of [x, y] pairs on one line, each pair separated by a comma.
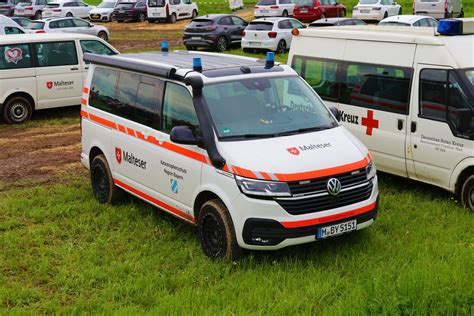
[[325, 201], [319, 184]]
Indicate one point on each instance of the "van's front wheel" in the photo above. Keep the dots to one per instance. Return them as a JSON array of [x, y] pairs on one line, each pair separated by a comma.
[[467, 193], [216, 231], [103, 187], [17, 110]]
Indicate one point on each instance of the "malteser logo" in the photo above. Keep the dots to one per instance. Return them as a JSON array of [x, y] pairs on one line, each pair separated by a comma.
[[297, 150], [58, 84], [118, 155]]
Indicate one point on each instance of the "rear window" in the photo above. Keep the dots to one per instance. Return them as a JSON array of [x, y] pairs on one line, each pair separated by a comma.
[[24, 4], [15, 56], [266, 2], [304, 3], [368, 1], [201, 22], [52, 5], [125, 5], [429, 0], [156, 3], [35, 26], [259, 26]]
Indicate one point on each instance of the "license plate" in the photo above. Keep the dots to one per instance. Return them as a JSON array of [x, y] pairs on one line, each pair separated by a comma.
[[263, 11], [304, 11], [95, 16], [121, 11], [255, 44], [20, 10], [336, 229], [364, 11], [196, 38]]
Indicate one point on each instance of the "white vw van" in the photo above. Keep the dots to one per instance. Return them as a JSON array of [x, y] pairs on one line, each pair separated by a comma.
[[242, 148], [171, 10], [41, 72], [407, 94]]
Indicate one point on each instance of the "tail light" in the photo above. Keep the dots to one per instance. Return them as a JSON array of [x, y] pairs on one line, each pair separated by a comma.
[[4, 7], [57, 10], [29, 8], [274, 7], [272, 34], [255, 7], [243, 33], [167, 9], [40, 31], [446, 6]]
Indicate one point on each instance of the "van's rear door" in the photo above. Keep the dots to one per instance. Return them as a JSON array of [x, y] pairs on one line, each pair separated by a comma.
[[429, 7]]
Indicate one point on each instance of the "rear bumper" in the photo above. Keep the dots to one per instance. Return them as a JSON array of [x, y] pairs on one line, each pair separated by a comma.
[[124, 17], [307, 17], [199, 39], [199, 43], [372, 16], [262, 45], [269, 232], [433, 14]]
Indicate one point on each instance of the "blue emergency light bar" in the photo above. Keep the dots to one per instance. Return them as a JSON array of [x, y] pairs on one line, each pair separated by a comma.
[[164, 46], [270, 61], [197, 64], [450, 27]]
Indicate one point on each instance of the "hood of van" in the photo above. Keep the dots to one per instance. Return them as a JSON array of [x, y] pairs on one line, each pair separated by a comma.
[[296, 157]]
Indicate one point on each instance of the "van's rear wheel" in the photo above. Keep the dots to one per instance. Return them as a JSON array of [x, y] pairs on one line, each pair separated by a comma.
[[172, 18], [216, 231], [467, 193], [17, 110], [103, 187]]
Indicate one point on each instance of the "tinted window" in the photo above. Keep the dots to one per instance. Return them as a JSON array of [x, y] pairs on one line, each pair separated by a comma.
[[377, 87], [260, 26], [15, 56], [80, 23], [96, 47], [156, 3], [178, 108], [226, 21], [56, 54], [320, 74], [12, 30], [237, 21], [102, 90], [285, 24], [296, 24], [35, 26], [266, 2], [61, 23]]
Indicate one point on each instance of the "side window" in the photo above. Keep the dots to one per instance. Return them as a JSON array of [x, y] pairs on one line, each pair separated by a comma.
[[296, 24], [15, 56], [65, 23], [81, 4], [178, 108], [321, 75], [285, 24], [226, 21], [148, 105], [378, 87], [95, 47], [80, 23], [56, 54], [102, 90], [175, 2], [237, 21], [12, 30], [53, 25]]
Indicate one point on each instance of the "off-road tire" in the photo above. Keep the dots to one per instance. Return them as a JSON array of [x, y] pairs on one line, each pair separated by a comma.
[[216, 232], [17, 110], [103, 187]]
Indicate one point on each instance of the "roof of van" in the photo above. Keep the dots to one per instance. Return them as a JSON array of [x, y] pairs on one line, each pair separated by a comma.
[[34, 37]]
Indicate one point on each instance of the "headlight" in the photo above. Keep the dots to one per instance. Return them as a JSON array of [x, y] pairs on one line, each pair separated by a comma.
[[370, 170], [262, 188]]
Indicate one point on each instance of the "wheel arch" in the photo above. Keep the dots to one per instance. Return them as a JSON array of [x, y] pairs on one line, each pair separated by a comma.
[[94, 152], [23, 94], [202, 198], [465, 173]]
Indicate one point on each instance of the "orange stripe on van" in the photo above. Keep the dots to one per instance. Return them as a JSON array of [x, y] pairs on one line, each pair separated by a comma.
[[244, 172], [185, 152], [266, 176], [156, 202], [122, 128], [329, 218], [102, 121], [85, 90], [84, 114], [84, 101]]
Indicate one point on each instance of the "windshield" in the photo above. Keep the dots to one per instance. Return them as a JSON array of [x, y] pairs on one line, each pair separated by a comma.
[[368, 1], [393, 23], [304, 3], [266, 2], [156, 3], [35, 25], [107, 4], [265, 107], [469, 75]]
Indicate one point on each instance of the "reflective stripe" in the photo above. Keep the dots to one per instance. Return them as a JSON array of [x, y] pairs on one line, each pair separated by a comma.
[[84, 101], [329, 218], [85, 90], [156, 202]]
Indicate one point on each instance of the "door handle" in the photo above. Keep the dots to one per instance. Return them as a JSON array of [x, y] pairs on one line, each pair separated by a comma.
[[400, 124], [413, 127], [74, 68], [86, 67]]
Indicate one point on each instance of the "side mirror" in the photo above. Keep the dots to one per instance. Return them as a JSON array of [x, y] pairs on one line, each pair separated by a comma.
[[183, 135], [91, 24], [336, 113]]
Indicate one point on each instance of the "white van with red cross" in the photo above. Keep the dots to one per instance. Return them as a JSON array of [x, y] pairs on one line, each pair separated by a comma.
[[42, 72], [242, 148], [407, 94]]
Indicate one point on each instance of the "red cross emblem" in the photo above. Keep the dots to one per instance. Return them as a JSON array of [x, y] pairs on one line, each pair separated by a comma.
[[118, 155], [293, 151], [370, 122]]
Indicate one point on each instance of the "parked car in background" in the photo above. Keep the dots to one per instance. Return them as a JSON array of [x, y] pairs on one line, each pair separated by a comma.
[[7, 7], [376, 10], [68, 25], [130, 11], [21, 21], [311, 10], [272, 34], [216, 31], [409, 20], [171, 10], [32, 9], [67, 8], [439, 8], [8, 26], [268, 8], [336, 22], [103, 12]]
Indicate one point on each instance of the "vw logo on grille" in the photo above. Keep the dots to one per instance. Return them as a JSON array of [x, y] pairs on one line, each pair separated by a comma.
[[334, 186]]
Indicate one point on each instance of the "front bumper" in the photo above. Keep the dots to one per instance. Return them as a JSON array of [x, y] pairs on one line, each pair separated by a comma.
[[99, 17]]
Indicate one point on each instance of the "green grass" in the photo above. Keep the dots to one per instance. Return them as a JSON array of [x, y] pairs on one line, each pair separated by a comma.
[[62, 252]]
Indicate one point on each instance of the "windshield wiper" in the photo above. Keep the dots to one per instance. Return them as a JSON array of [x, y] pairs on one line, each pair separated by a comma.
[[304, 130]]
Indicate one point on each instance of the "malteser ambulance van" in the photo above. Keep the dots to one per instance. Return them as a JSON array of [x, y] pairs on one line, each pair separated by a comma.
[[45, 71], [407, 94], [242, 148]]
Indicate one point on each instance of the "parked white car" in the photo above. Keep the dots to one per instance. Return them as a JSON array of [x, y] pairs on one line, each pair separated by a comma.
[[67, 8], [103, 11], [171, 10], [409, 20], [8, 26], [270, 34], [68, 25], [31, 9], [376, 10], [438, 8], [268, 8]]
